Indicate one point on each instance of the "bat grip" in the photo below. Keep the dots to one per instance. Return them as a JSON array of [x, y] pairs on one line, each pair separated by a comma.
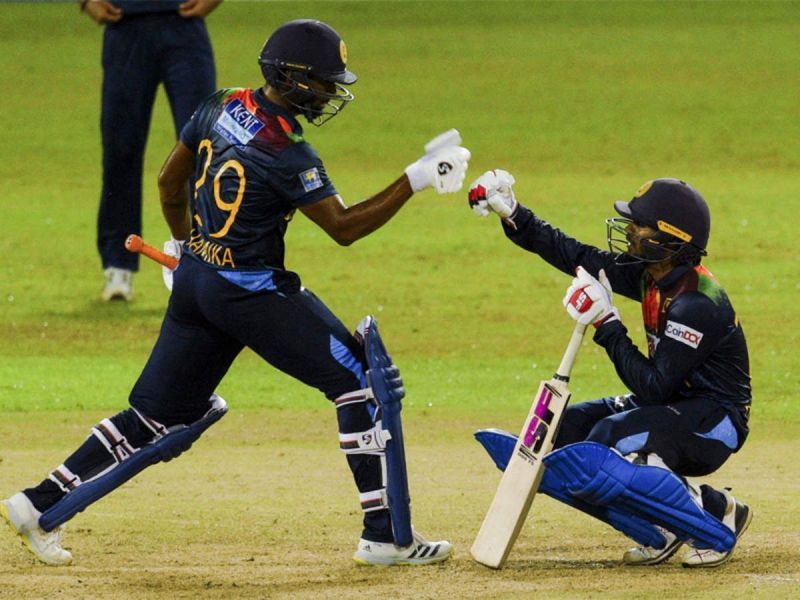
[[565, 368], [135, 244]]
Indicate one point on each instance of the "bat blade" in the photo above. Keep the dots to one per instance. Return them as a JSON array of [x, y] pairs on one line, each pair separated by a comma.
[[522, 476]]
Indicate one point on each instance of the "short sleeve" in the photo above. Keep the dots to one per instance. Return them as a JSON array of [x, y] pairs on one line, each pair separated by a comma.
[[299, 176], [193, 131]]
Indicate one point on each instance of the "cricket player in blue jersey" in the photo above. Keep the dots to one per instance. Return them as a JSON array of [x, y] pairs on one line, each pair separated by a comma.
[[229, 189], [690, 399]]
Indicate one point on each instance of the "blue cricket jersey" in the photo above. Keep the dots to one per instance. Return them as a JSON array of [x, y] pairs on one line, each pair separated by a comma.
[[253, 170]]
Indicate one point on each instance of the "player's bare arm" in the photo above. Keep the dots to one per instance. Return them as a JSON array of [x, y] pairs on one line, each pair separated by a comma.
[[347, 224], [173, 188], [442, 167]]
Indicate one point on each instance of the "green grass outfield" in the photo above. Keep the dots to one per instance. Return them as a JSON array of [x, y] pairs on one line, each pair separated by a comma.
[[583, 102]]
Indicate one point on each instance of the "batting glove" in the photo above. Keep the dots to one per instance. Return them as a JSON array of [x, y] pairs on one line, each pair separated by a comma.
[[172, 247], [492, 192], [589, 300], [443, 167]]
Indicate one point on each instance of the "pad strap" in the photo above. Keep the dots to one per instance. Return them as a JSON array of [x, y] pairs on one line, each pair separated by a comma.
[[371, 441], [65, 479], [157, 428], [113, 440], [374, 500], [356, 397]]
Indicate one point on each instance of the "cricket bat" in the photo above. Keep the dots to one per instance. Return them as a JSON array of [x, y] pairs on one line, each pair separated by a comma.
[[136, 244], [522, 476]]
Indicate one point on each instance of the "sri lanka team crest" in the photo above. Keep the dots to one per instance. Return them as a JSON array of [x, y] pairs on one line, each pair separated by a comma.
[[311, 179]]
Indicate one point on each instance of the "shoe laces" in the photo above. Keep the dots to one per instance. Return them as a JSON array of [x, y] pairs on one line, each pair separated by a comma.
[[419, 540]]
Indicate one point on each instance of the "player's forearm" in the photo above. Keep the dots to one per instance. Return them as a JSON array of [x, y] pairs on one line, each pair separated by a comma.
[[351, 223], [651, 381], [174, 196], [365, 217], [173, 189], [176, 214]]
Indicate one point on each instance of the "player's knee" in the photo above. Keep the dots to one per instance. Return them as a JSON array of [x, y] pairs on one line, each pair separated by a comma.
[[603, 432], [579, 420], [137, 428]]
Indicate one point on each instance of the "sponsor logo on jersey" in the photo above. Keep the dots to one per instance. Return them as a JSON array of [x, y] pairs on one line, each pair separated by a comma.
[[311, 180], [683, 333], [237, 124]]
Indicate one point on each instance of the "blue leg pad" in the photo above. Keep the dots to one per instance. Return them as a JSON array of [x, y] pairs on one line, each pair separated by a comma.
[[177, 441], [387, 387], [596, 474], [500, 446]]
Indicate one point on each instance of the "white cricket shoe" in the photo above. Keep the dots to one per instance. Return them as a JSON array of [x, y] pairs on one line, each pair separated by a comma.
[[119, 284], [645, 555], [737, 518], [23, 519], [420, 552]]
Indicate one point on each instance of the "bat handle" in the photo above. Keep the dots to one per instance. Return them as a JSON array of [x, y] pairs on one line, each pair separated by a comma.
[[134, 243], [565, 368]]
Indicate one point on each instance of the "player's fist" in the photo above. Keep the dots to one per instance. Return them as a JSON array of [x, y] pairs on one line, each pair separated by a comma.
[[493, 192], [589, 300], [172, 247], [443, 167]]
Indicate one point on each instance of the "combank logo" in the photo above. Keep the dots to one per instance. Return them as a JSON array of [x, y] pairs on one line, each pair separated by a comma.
[[682, 333]]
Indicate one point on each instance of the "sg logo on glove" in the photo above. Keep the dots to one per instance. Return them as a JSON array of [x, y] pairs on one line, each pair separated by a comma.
[[580, 300], [444, 168]]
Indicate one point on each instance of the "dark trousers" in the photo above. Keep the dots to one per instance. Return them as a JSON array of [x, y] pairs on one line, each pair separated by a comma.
[[139, 53], [208, 322], [679, 433]]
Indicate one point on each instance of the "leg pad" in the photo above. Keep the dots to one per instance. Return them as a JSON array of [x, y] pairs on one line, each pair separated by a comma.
[[500, 445], [600, 476], [387, 387], [165, 448]]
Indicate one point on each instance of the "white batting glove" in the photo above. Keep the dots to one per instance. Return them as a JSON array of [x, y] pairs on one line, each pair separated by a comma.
[[172, 247], [444, 165], [493, 192], [590, 301]]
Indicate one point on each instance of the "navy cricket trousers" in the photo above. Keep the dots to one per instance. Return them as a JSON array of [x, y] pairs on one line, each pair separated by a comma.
[[139, 53], [209, 320], [692, 437]]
